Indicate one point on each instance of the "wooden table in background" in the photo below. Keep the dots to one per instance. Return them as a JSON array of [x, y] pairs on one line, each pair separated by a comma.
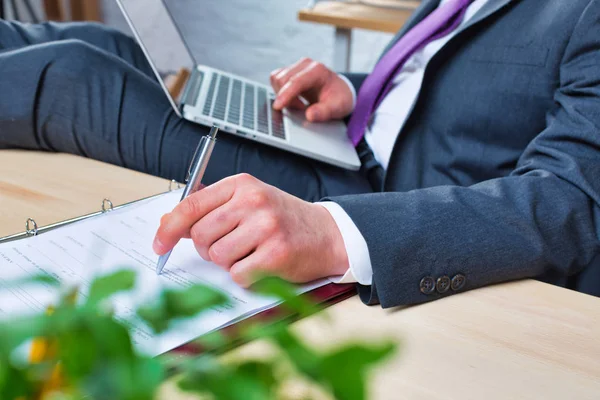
[[80, 10], [347, 16], [523, 340]]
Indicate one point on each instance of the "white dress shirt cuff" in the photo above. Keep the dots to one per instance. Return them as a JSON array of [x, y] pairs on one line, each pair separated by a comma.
[[351, 89], [360, 269]]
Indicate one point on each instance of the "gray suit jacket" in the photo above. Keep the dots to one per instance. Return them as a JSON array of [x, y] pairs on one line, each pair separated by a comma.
[[496, 174]]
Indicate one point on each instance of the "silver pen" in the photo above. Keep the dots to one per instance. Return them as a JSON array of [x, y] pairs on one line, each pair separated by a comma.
[[194, 177]]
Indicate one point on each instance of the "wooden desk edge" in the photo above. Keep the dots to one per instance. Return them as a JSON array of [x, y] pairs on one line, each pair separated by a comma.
[[358, 16], [308, 15]]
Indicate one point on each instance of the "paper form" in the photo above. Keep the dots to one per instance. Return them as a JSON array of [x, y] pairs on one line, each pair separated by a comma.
[[120, 239]]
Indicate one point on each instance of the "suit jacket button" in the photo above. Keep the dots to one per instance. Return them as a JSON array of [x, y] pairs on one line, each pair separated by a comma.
[[443, 284], [458, 282], [427, 285]]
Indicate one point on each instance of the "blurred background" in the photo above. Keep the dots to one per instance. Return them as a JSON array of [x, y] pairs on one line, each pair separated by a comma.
[[246, 37]]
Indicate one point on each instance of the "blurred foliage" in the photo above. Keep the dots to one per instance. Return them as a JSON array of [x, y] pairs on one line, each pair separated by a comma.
[[79, 349]]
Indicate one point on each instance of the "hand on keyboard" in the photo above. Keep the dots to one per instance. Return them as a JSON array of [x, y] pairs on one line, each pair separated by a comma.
[[329, 97]]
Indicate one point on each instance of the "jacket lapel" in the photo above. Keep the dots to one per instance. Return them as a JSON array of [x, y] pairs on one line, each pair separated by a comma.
[[490, 8], [427, 6]]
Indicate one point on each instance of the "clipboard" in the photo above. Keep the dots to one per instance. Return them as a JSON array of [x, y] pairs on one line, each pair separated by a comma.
[[324, 296]]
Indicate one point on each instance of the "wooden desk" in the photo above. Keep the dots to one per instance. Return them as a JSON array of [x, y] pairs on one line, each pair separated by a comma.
[[347, 16], [524, 340], [50, 187]]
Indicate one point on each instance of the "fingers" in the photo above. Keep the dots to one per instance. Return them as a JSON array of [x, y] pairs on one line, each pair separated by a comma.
[[271, 258], [310, 77], [272, 79], [235, 246], [215, 225], [325, 111], [177, 224], [251, 230], [250, 269], [296, 104], [281, 76]]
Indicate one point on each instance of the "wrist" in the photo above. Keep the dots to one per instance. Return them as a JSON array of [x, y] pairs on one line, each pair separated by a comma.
[[333, 246], [350, 89]]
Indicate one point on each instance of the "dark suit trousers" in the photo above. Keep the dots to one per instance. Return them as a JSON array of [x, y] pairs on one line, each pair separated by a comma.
[[85, 89]]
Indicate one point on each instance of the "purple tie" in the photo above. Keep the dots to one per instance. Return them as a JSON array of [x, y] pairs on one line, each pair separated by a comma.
[[438, 24]]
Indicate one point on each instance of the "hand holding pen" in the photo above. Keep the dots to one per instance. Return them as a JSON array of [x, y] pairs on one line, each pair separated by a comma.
[[194, 179]]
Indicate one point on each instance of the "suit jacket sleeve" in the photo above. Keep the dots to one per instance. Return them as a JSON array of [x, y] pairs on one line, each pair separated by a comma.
[[544, 218]]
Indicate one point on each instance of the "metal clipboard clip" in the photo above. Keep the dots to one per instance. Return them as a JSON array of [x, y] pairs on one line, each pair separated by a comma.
[[32, 228]]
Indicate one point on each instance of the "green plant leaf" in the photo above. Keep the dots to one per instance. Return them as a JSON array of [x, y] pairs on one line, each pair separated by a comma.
[[98, 359], [345, 370], [148, 375], [111, 337], [85, 339], [62, 396], [135, 379], [277, 287], [213, 340], [264, 372], [181, 304], [193, 300], [248, 381], [306, 361], [31, 280], [262, 330], [14, 383], [15, 332], [78, 351], [106, 286], [199, 374]]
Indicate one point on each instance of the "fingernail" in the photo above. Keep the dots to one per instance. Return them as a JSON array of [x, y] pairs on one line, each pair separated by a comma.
[[276, 104], [157, 246], [315, 115]]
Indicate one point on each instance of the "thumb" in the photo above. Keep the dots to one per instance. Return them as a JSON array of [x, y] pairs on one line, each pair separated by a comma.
[[319, 112]]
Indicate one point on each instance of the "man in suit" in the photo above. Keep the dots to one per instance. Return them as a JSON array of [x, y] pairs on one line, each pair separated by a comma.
[[478, 133], [479, 130]]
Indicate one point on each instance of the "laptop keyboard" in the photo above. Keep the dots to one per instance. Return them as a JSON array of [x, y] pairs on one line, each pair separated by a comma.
[[250, 106], [248, 116]]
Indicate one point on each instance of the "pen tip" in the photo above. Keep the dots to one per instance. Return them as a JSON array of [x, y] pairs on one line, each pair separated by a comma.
[[160, 265], [162, 260]]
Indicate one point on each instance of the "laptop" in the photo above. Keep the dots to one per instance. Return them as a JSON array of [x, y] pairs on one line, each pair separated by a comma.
[[236, 105]]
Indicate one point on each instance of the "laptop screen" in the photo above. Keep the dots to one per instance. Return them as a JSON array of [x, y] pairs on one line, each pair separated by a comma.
[[161, 41]]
